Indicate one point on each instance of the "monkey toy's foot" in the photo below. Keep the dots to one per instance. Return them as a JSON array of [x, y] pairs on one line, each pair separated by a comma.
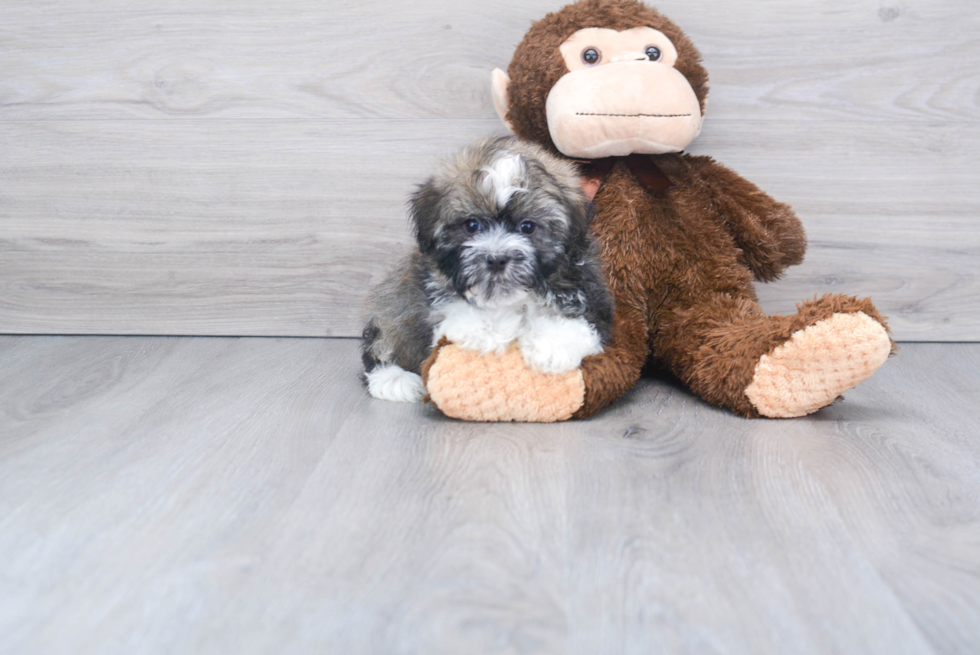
[[467, 385], [817, 364]]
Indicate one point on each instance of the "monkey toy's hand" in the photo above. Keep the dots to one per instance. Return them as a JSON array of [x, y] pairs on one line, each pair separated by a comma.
[[468, 385]]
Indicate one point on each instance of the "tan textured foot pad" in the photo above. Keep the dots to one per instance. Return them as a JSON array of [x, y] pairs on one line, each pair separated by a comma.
[[466, 385], [818, 364]]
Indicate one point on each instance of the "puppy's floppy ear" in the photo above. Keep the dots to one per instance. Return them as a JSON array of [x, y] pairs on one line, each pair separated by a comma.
[[579, 212], [424, 211]]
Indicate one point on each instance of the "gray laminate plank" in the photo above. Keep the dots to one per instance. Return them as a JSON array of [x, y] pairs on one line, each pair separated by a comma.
[[164, 495], [806, 59], [141, 456], [431, 536], [865, 514], [280, 227]]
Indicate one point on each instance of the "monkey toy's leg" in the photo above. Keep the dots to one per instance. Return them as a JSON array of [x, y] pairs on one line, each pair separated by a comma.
[[626, 239], [465, 385], [732, 354], [710, 330], [609, 375]]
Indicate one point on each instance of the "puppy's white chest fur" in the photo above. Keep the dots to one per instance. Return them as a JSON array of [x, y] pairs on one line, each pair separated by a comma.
[[548, 341]]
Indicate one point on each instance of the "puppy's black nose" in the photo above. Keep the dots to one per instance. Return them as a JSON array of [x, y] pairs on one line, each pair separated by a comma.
[[497, 263]]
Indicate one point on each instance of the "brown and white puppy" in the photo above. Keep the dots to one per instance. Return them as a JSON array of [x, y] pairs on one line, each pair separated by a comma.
[[504, 255]]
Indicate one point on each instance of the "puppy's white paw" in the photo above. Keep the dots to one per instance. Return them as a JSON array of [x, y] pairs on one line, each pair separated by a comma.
[[486, 331], [558, 344], [396, 384]]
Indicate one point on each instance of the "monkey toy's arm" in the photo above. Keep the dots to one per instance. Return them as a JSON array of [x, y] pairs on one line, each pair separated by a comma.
[[769, 234]]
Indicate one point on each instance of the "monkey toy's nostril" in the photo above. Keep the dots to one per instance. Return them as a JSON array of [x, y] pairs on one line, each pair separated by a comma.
[[497, 263]]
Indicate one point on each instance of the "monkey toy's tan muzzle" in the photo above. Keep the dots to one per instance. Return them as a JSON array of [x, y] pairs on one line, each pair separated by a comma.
[[624, 108]]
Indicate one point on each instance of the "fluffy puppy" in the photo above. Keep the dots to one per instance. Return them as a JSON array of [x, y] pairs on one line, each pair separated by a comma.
[[504, 255]]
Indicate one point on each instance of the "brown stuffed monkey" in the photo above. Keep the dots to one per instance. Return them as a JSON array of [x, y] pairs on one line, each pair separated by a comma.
[[619, 88]]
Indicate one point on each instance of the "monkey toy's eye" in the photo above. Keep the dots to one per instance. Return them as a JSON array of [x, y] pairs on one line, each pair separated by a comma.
[[472, 226], [591, 56], [527, 227], [652, 52]]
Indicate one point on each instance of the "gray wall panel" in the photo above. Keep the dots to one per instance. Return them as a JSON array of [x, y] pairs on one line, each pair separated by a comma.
[[242, 169]]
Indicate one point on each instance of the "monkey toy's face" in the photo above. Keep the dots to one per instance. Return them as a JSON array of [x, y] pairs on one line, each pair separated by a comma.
[[621, 95], [609, 89]]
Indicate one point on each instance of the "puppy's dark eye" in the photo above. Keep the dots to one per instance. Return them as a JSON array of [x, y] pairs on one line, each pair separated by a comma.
[[652, 52], [591, 56], [472, 226], [527, 227]]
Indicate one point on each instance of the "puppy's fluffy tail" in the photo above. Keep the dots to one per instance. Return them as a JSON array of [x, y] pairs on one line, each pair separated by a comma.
[[387, 380], [369, 337]]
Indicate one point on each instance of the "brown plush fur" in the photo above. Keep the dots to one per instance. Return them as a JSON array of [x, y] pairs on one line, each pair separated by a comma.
[[679, 261]]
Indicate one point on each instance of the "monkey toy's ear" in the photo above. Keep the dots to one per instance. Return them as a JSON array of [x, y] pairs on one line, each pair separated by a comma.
[[500, 83]]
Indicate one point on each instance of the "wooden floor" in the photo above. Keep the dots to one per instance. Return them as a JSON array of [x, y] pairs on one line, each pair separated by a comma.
[[217, 495]]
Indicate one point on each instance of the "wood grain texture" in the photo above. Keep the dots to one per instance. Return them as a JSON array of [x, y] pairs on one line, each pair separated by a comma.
[[809, 59], [241, 169], [273, 228], [162, 495]]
